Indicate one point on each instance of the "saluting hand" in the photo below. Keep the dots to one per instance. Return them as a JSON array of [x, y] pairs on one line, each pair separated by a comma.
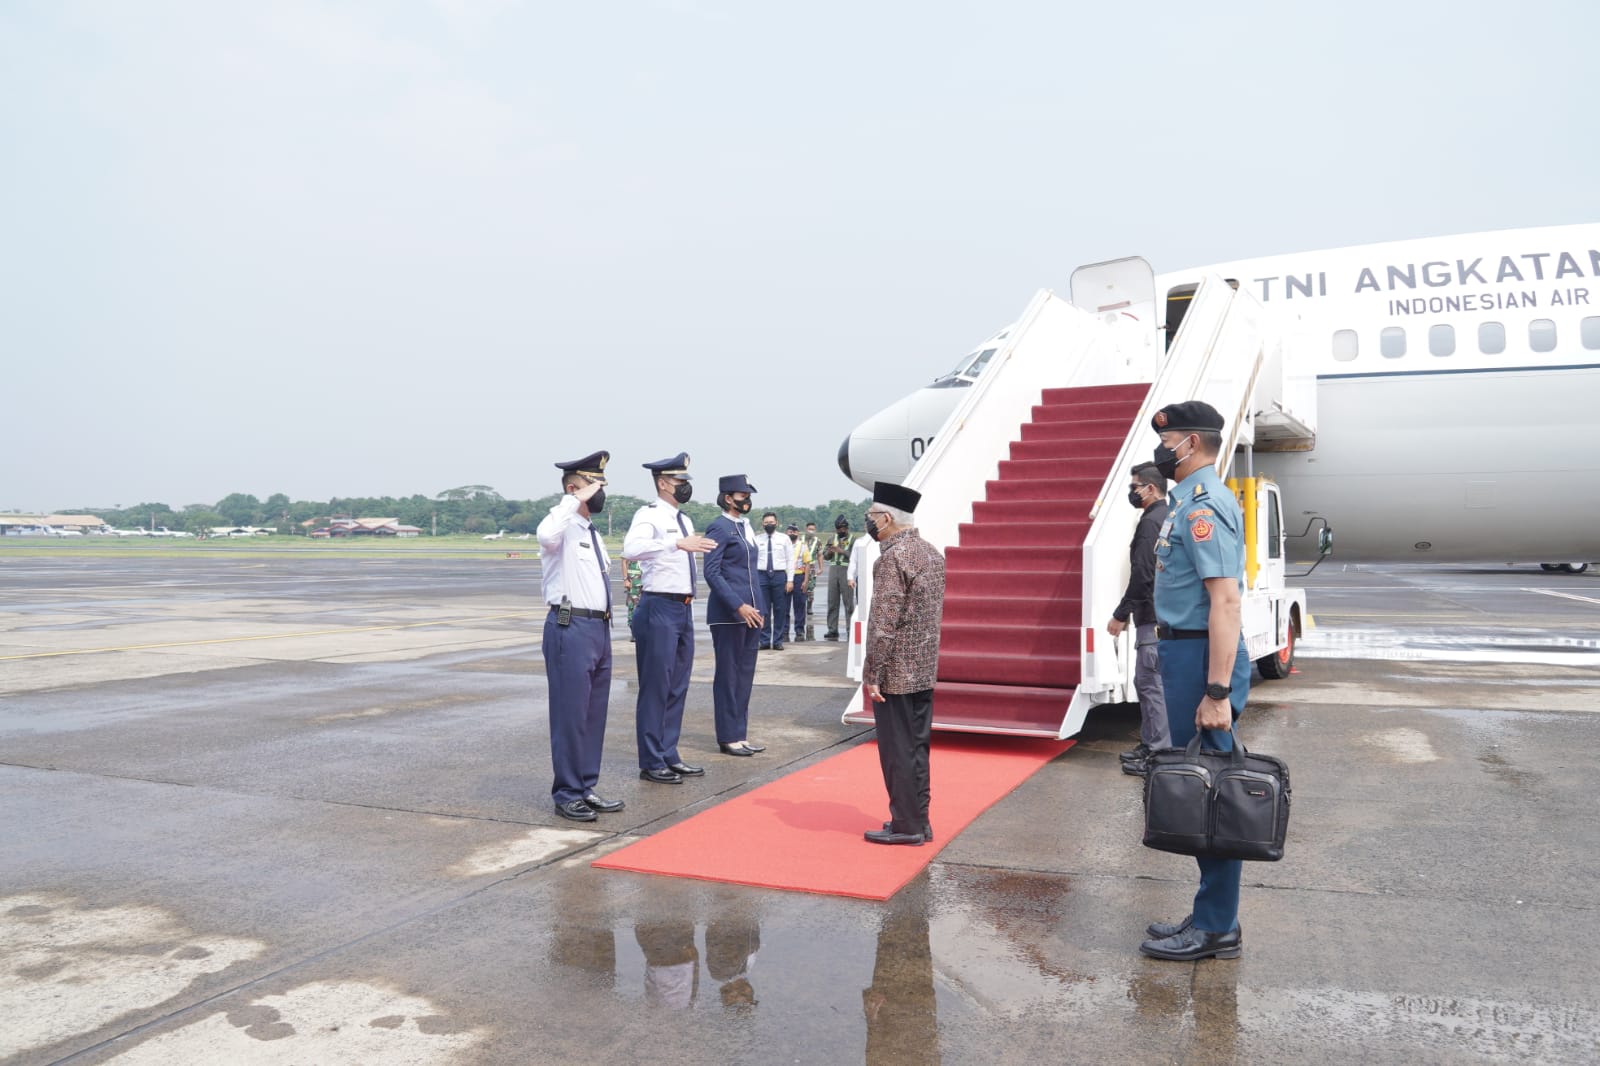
[[694, 542]]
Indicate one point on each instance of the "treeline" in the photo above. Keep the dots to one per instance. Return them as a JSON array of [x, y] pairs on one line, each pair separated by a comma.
[[468, 509]]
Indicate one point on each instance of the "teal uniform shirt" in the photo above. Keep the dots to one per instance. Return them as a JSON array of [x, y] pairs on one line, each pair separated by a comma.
[[1203, 537]]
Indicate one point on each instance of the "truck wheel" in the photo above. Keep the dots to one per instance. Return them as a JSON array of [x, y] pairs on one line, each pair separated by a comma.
[[1276, 667], [1574, 568]]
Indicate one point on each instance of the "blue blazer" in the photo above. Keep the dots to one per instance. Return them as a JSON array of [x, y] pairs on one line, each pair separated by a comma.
[[730, 570]]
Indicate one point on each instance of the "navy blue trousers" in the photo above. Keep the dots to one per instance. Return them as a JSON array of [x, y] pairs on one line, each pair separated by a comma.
[[735, 646], [774, 607], [663, 632], [577, 669], [1183, 679], [799, 606]]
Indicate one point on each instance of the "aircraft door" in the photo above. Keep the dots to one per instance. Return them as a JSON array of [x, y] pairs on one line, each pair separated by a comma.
[[1122, 294]]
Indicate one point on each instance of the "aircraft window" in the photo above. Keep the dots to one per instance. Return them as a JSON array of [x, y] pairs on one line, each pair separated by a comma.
[[1591, 333], [1442, 340], [1542, 335], [979, 363], [1274, 528], [1392, 342], [1491, 338], [1345, 345]]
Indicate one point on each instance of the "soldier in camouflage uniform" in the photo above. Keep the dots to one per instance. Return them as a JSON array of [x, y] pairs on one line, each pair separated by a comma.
[[836, 559], [632, 588]]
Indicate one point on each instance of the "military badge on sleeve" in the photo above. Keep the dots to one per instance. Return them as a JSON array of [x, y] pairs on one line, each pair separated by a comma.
[[1200, 530]]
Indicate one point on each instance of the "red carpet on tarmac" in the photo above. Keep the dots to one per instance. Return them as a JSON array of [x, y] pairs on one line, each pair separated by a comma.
[[803, 832]]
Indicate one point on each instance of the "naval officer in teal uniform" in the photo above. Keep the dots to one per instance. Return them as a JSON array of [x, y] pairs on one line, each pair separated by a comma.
[[1205, 672]]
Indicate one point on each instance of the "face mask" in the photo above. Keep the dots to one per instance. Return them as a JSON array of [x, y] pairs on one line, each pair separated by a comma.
[[597, 502], [1135, 499], [1166, 460], [770, 527], [683, 493], [793, 537], [872, 529]]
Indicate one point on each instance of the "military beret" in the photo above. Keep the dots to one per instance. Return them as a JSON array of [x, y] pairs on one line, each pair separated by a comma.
[[841, 520], [677, 466], [734, 483], [1186, 417], [792, 528], [590, 466], [896, 496]]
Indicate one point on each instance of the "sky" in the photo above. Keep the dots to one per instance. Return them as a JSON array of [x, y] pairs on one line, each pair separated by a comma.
[[385, 247]]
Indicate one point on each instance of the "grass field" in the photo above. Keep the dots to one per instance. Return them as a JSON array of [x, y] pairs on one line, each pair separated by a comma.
[[463, 545]]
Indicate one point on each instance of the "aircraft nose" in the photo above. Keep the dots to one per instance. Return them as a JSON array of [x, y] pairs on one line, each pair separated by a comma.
[[844, 457]]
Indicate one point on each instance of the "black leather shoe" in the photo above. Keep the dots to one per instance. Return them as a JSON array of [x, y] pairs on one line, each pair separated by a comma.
[[753, 747], [1135, 767], [1162, 930], [889, 837], [1192, 944], [735, 749], [685, 769], [600, 803], [927, 831], [660, 777], [777, 647], [830, 636], [1138, 754], [577, 810]]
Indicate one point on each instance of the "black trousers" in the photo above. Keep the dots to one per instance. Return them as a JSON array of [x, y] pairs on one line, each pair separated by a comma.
[[905, 726]]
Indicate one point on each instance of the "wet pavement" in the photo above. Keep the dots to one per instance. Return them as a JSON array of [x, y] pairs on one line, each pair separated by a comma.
[[273, 810]]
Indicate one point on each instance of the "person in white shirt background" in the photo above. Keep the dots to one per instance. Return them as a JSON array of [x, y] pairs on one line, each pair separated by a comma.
[[862, 555]]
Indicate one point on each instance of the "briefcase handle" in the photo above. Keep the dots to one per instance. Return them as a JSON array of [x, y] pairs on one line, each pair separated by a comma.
[[1191, 750]]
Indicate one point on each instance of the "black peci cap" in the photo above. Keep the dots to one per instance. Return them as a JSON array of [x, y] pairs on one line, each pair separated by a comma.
[[1186, 417], [896, 496]]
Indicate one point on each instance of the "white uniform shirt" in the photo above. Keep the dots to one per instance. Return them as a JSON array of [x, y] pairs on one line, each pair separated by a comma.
[[782, 553], [653, 541], [863, 553], [567, 555]]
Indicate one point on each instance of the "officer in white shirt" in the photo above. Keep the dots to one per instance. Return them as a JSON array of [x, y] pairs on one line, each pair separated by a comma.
[[576, 573], [775, 578], [664, 541]]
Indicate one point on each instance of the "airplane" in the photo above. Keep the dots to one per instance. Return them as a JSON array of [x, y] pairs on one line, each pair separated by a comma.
[[1456, 380]]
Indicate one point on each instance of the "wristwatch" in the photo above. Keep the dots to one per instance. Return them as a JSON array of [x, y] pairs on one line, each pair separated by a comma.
[[1219, 692]]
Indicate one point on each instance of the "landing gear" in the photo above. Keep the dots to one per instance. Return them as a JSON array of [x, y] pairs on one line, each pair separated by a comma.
[[1564, 568], [1277, 666]]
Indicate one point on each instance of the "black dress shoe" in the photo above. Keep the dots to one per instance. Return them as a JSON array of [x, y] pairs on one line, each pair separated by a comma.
[[735, 749], [753, 747], [1138, 754], [890, 837], [777, 647], [927, 831], [1162, 930], [660, 777], [1192, 944], [577, 810], [830, 636], [1135, 767], [685, 769], [600, 803]]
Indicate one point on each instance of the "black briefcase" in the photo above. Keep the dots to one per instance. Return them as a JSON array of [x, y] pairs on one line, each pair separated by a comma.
[[1216, 804]]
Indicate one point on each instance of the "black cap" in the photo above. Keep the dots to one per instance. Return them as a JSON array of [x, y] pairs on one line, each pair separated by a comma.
[[590, 466], [677, 466], [792, 528], [1186, 417], [896, 496], [841, 520], [734, 483]]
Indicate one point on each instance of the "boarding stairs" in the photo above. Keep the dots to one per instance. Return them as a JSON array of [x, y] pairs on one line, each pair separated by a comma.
[[1025, 490]]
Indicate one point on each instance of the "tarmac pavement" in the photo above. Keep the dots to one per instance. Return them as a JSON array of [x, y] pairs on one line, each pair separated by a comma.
[[292, 810]]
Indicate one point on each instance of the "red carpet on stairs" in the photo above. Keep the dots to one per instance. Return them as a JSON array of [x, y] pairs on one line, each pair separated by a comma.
[[803, 832], [1009, 646]]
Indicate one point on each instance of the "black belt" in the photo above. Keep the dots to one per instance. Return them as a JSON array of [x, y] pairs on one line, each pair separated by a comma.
[[583, 612], [677, 597], [1166, 632]]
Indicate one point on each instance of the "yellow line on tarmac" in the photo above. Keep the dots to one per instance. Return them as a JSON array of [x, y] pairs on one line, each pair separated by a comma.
[[264, 636]]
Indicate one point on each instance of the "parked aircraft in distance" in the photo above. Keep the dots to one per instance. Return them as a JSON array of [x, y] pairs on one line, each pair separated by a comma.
[[1455, 387]]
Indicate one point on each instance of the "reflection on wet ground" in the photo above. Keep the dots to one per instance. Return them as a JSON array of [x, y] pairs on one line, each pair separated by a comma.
[[346, 854]]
